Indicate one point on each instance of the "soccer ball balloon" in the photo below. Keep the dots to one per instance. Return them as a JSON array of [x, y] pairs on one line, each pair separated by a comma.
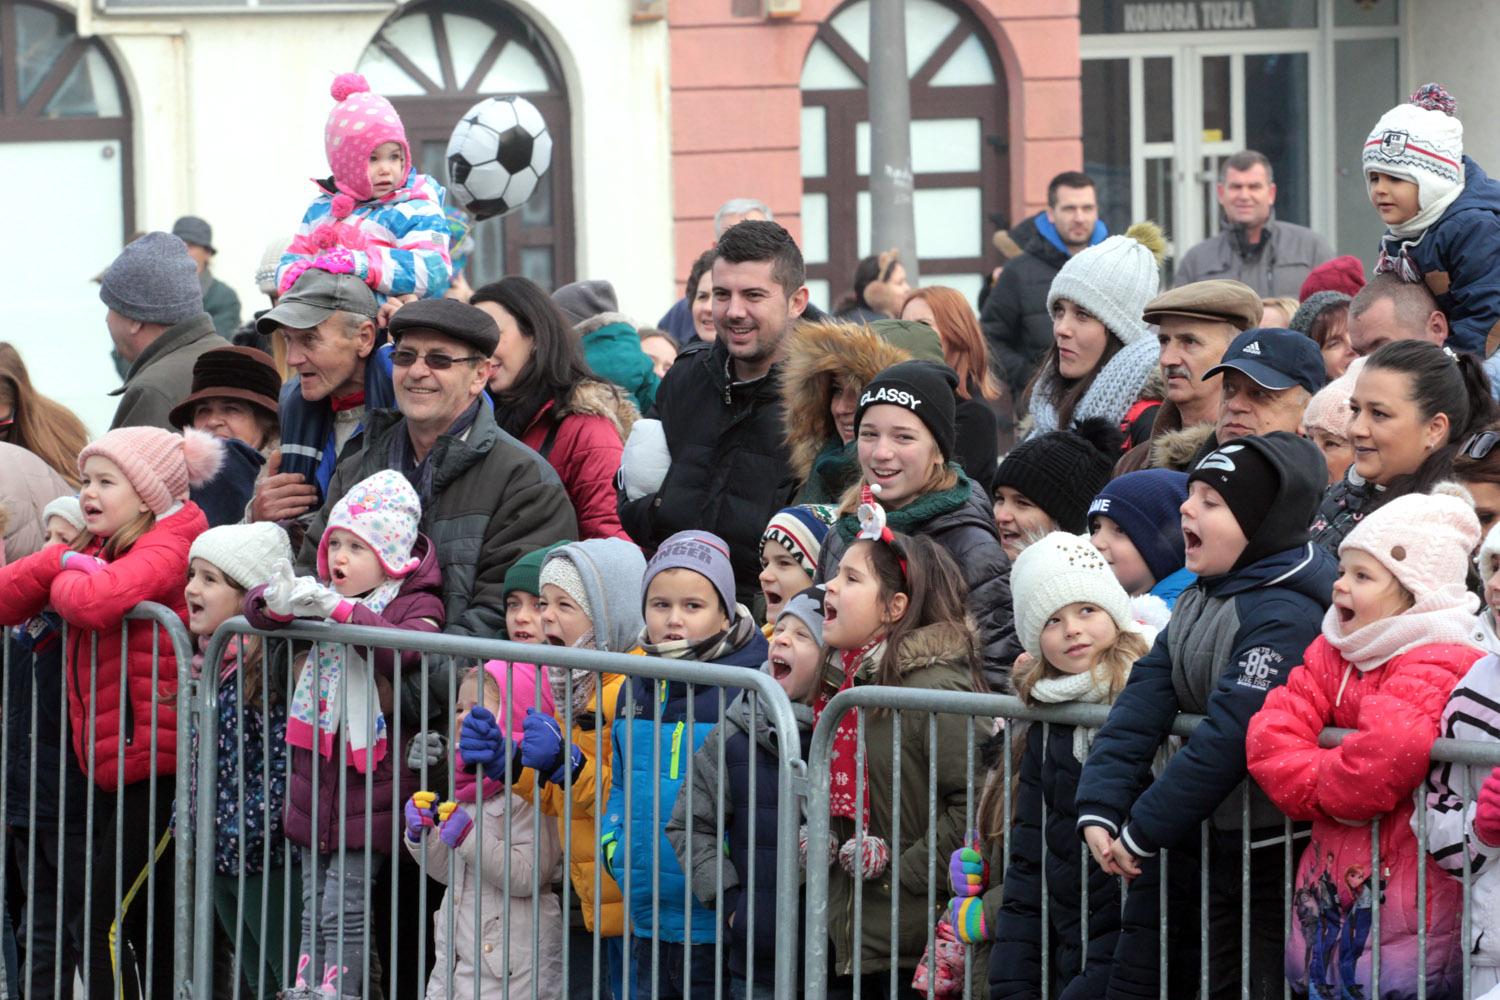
[[497, 155]]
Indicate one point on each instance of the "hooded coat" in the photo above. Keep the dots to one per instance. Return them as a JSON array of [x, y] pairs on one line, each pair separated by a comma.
[[1456, 256], [582, 440], [1394, 710], [93, 605], [612, 348], [817, 353], [1231, 640], [27, 486]]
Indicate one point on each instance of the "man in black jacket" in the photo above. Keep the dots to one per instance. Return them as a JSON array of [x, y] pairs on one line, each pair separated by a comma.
[[720, 407], [1016, 320]]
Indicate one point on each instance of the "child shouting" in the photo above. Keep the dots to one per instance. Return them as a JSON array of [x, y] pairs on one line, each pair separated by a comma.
[[374, 569], [1394, 645], [789, 550], [749, 827]]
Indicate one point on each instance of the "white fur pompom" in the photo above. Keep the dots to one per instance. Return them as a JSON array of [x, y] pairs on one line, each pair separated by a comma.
[[204, 455]]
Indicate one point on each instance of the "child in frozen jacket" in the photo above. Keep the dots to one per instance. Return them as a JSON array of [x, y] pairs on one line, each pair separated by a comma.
[[1235, 634], [718, 856], [489, 871], [1394, 645], [374, 569], [687, 599], [376, 217], [1441, 213], [122, 681], [1075, 620]]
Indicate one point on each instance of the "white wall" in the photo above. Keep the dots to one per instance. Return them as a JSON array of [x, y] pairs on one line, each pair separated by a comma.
[[1457, 49], [229, 126]]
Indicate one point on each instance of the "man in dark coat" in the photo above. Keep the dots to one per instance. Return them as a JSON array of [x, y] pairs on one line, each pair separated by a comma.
[[1015, 319], [720, 407], [219, 300]]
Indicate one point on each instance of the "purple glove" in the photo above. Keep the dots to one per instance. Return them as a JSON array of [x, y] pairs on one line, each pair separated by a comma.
[[543, 748], [85, 564], [966, 916], [419, 816], [456, 824], [968, 870], [336, 260]]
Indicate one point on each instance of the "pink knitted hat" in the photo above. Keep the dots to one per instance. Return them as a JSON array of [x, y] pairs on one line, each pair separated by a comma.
[[1328, 410], [359, 123], [383, 512], [1424, 539], [160, 465]]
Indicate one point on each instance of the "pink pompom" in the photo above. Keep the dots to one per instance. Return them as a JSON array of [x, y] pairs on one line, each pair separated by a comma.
[[348, 83], [204, 455], [342, 206], [1435, 97]]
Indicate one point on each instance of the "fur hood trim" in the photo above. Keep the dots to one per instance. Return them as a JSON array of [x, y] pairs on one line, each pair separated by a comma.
[[816, 352], [594, 397], [602, 320], [943, 644], [1175, 449]]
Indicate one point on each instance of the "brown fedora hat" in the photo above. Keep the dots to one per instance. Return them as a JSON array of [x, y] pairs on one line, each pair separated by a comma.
[[231, 373]]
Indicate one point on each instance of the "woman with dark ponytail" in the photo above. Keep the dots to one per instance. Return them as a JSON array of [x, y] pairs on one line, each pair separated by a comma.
[[1413, 405]]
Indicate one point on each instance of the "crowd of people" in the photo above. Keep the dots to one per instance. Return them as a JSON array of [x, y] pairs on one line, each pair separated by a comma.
[[1266, 495]]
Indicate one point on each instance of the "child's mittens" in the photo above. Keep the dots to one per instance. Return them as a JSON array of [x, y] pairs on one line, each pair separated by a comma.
[[291, 274], [310, 599], [455, 824], [831, 855], [419, 815], [482, 744], [81, 563], [875, 859], [339, 260], [544, 749], [1487, 810], [968, 869], [966, 915], [942, 966], [427, 750], [278, 591]]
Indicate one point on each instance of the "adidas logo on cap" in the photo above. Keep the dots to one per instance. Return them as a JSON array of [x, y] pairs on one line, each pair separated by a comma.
[[1253, 348]]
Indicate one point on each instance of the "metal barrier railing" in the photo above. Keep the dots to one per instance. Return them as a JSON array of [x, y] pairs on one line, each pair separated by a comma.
[[1210, 980]]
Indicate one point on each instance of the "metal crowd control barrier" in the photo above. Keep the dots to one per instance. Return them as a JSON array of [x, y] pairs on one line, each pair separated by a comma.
[[1209, 981], [72, 910], [426, 670]]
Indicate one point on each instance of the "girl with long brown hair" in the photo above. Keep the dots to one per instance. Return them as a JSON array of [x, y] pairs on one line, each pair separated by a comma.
[[42, 426]]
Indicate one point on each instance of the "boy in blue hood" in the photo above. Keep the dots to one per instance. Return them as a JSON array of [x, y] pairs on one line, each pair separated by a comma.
[[1441, 212], [1236, 633]]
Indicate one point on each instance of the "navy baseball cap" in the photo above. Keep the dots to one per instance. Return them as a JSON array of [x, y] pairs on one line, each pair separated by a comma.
[[1275, 359]]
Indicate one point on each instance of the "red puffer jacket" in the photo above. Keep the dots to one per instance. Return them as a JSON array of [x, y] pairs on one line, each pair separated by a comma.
[[582, 441], [93, 605], [1395, 710]]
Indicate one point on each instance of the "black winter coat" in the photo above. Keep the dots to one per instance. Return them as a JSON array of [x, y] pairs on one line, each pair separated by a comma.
[[1015, 319], [730, 470], [968, 535], [1049, 784]]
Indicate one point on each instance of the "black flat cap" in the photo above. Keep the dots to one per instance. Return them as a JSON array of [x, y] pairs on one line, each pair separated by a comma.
[[450, 318]]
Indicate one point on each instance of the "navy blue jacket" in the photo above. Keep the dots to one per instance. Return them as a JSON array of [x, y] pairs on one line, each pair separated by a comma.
[[225, 497], [1048, 785], [35, 670], [1459, 257]]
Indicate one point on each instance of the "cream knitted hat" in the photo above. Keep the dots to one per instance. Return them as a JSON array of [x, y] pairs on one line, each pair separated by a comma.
[[68, 508], [1114, 280], [1328, 410], [1059, 570], [1424, 539], [246, 553]]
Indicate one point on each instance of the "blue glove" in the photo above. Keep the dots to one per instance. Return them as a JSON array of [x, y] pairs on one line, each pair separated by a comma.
[[543, 748], [483, 745]]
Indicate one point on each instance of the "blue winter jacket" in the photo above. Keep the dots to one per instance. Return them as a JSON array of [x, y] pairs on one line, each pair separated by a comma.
[[1170, 588], [307, 432], [1459, 257], [649, 849], [1232, 639]]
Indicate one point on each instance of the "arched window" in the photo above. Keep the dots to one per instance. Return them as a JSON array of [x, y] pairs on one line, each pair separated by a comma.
[[435, 61], [958, 129]]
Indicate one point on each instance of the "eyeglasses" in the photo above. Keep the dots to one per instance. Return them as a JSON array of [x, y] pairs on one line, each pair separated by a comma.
[[1480, 445], [435, 361]]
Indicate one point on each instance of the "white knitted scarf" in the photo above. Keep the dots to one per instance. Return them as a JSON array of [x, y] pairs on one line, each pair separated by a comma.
[[1117, 386], [1085, 688]]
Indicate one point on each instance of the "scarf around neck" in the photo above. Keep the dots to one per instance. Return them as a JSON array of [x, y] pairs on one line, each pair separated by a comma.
[[314, 725], [1116, 386], [1445, 615], [709, 650], [1085, 688], [909, 520], [585, 682], [847, 764]]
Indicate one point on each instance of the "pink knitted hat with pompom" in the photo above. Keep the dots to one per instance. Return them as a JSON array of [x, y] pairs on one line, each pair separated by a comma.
[[1425, 540], [160, 465], [358, 125]]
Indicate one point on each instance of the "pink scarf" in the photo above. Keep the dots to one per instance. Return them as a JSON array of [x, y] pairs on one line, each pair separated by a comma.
[[1445, 615]]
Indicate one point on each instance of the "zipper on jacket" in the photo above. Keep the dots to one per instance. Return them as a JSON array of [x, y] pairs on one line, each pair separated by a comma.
[[676, 750]]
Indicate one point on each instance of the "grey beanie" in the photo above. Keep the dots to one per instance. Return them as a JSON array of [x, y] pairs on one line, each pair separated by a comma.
[[583, 300], [153, 281], [1113, 280], [702, 552], [807, 607], [1314, 306]]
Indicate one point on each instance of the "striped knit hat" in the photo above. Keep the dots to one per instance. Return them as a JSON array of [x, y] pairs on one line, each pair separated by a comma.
[[801, 530], [1421, 141]]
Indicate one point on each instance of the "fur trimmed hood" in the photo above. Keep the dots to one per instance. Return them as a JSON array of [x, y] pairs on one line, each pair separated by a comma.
[[940, 645], [816, 352], [1175, 449], [602, 320], [596, 398]]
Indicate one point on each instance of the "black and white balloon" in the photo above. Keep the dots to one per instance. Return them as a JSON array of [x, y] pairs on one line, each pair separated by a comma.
[[497, 155]]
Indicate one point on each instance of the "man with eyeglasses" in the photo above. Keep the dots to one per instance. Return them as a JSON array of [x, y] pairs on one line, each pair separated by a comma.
[[487, 499], [341, 372]]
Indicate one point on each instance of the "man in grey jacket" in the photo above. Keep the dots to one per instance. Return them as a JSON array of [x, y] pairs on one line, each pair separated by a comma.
[[158, 325], [1271, 256]]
